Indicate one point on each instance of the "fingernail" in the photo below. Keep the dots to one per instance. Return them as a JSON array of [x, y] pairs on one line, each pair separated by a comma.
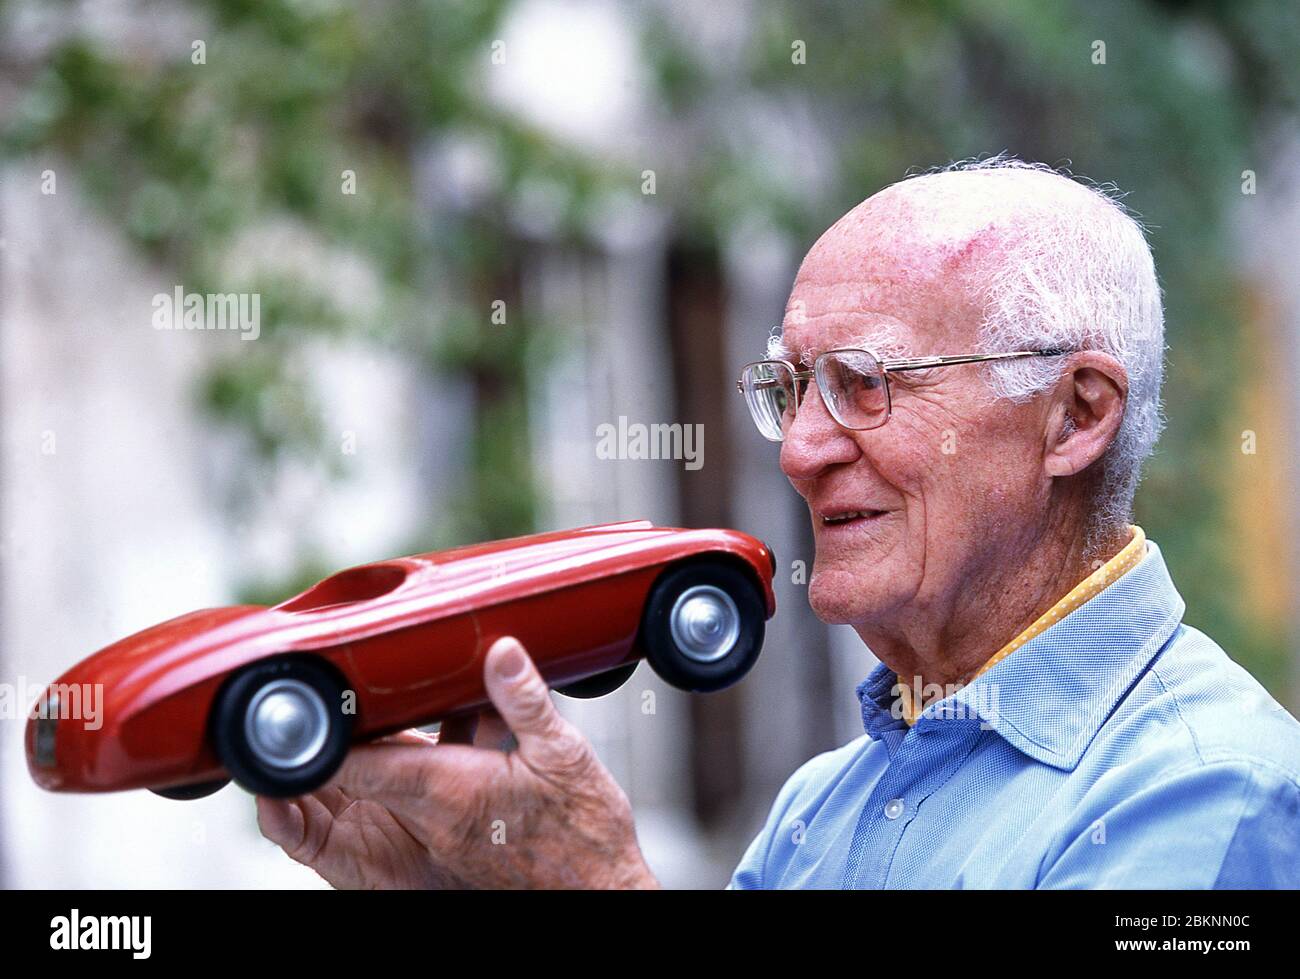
[[510, 663]]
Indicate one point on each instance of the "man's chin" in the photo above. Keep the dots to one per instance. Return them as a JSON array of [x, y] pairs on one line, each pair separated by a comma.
[[835, 601]]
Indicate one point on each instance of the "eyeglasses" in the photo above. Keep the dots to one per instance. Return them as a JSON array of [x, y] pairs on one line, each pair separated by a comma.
[[854, 385]]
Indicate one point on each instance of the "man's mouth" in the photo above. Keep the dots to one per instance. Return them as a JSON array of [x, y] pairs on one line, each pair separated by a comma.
[[850, 518]]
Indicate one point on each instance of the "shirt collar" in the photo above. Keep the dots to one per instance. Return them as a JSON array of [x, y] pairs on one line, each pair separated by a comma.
[[1050, 699], [1124, 561]]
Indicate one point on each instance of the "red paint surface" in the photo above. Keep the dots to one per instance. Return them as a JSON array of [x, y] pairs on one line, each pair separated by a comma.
[[408, 635]]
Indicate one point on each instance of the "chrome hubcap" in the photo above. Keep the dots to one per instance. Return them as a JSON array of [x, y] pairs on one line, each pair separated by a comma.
[[286, 724], [705, 623]]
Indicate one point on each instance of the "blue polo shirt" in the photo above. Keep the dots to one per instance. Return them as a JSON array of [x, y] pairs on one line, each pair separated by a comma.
[[1119, 748]]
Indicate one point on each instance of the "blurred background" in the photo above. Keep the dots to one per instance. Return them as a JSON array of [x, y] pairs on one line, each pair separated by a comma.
[[480, 230]]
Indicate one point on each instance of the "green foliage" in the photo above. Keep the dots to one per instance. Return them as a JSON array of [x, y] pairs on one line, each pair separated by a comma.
[[186, 157], [1183, 104]]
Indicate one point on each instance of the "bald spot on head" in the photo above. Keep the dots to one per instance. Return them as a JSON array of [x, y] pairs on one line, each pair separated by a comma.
[[925, 241]]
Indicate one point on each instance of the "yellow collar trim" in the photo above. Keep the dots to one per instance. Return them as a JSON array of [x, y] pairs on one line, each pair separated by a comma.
[[1121, 563]]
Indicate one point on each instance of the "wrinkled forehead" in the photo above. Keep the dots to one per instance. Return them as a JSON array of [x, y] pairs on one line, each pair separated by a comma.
[[892, 316], [803, 336], [898, 274]]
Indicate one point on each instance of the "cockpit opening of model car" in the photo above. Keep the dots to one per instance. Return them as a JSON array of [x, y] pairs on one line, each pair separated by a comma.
[[354, 585]]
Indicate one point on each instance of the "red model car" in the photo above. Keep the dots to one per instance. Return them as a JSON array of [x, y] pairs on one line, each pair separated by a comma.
[[274, 697]]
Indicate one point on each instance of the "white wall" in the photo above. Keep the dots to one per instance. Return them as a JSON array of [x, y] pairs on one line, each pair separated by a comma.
[[125, 523]]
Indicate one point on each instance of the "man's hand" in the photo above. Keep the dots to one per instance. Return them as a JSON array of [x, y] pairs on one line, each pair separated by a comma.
[[416, 810]]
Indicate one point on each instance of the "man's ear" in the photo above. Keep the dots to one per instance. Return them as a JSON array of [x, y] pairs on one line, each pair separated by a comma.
[[1086, 411]]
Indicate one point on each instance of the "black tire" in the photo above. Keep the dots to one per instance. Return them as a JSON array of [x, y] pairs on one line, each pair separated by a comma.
[[187, 793], [250, 762], [599, 685], [675, 664]]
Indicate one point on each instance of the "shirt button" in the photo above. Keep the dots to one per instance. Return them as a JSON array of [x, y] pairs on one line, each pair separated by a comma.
[[893, 808]]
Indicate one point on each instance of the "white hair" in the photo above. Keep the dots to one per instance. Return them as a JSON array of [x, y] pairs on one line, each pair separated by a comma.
[[1075, 277]]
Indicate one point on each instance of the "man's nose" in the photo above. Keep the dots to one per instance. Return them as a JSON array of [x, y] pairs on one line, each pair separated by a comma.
[[814, 441]]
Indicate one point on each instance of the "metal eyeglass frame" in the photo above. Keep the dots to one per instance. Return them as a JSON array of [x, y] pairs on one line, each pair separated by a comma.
[[887, 367]]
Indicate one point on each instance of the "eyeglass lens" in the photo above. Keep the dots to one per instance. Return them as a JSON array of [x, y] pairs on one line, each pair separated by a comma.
[[852, 383]]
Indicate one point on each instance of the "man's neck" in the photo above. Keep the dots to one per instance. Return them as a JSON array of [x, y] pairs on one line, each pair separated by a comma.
[[949, 642]]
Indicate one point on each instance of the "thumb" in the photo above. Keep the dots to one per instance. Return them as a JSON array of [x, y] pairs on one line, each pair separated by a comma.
[[546, 740]]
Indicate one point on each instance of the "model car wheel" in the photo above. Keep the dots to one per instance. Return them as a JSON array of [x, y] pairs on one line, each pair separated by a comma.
[[187, 793], [280, 729], [599, 685], [703, 626]]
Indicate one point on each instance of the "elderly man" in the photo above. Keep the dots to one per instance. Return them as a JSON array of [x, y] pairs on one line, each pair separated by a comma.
[[965, 387]]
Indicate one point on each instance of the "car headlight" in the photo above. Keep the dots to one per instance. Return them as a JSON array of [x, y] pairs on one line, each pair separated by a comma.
[[47, 729]]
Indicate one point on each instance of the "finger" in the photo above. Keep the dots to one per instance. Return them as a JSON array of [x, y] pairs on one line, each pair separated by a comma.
[[458, 730], [410, 736], [281, 821], [332, 798], [302, 829], [520, 695], [318, 822], [416, 785]]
